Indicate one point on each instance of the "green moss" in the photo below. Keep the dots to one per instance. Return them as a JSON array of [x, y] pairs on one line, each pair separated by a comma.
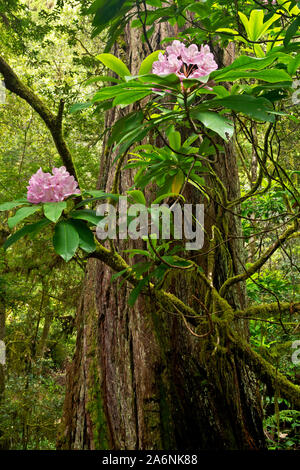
[[96, 411]]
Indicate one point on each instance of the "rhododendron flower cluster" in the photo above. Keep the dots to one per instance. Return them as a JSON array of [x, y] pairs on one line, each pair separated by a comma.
[[185, 62], [44, 187], [267, 1]]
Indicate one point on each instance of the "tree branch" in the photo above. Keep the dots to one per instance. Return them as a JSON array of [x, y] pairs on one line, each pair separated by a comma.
[[259, 263], [269, 310], [52, 121], [117, 263], [267, 373]]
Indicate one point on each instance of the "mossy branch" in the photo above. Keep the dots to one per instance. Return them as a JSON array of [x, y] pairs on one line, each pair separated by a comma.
[[52, 121], [269, 310], [117, 263], [268, 373], [259, 365]]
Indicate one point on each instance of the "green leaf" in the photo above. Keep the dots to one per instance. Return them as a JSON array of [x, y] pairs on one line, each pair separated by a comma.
[[128, 123], [269, 75], [216, 123], [291, 31], [177, 182], [26, 230], [294, 64], [21, 214], [255, 26], [256, 108], [146, 65], [86, 214], [65, 240], [154, 3], [135, 251], [79, 106], [114, 64], [53, 210], [220, 91], [174, 138], [105, 11], [136, 291], [246, 63], [99, 194], [129, 97], [119, 274], [137, 196], [86, 236], [166, 81], [171, 260], [113, 91], [258, 51], [7, 206], [167, 195]]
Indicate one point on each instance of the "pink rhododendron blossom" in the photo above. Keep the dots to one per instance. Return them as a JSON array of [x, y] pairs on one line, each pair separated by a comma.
[[185, 62], [267, 1], [44, 187], [176, 48]]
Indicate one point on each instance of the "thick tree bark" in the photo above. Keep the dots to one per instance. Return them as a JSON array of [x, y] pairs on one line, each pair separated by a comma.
[[139, 378]]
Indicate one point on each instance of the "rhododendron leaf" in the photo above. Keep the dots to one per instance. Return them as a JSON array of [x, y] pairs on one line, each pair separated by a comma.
[[86, 214], [124, 125], [216, 123], [53, 210], [114, 64], [105, 11], [65, 240], [86, 236], [167, 81], [269, 75], [22, 214], [166, 196], [134, 251], [137, 196], [246, 63], [7, 206], [136, 291], [255, 26], [99, 194], [291, 31], [177, 182], [256, 108], [174, 138], [129, 97], [294, 64], [146, 65], [113, 91], [154, 3], [31, 229]]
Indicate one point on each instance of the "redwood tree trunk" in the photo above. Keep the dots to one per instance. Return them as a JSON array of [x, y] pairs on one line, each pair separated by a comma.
[[139, 379]]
